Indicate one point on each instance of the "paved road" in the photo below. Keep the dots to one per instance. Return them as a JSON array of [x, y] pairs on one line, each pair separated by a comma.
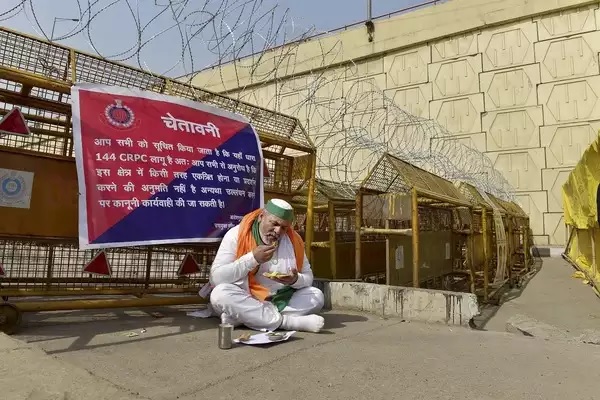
[[358, 357], [554, 297]]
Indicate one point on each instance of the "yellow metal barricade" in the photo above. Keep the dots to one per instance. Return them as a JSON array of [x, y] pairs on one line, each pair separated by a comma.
[[39, 255], [333, 251], [580, 202], [426, 222]]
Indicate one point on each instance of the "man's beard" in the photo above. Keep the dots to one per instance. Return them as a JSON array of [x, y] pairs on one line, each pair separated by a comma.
[[269, 239]]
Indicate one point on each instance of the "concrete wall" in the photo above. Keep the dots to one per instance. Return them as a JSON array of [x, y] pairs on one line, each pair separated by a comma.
[[517, 80], [423, 305]]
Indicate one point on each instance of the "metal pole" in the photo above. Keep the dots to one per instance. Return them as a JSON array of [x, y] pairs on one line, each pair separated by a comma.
[[357, 235], [310, 218], [388, 270], [95, 304], [526, 244], [471, 252], [73, 66], [415, 237], [59, 291], [510, 248], [369, 24], [332, 241], [378, 231], [486, 255]]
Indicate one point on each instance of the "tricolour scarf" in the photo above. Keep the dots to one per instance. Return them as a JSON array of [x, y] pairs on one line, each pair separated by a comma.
[[248, 239]]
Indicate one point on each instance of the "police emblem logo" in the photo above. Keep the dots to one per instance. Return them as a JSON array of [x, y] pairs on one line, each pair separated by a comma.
[[119, 115], [12, 187]]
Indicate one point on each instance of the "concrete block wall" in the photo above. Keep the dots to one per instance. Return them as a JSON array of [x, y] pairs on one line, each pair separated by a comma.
[[516, 80], [423, 305]]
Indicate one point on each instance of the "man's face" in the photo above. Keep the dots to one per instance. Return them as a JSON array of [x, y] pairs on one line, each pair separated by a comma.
[[271, 228]]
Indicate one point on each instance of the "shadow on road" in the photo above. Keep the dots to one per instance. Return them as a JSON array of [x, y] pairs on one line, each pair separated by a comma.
[[505, 295], [334, 320], [94, 329], [88, 329]]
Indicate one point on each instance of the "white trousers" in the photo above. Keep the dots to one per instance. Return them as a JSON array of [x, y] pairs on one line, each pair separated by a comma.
[[242, 308]]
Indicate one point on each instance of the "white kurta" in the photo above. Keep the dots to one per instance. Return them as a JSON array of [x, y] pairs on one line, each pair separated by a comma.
[[231, 294]]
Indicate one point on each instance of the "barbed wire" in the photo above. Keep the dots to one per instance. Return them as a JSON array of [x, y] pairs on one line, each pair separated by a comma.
[[351, 119]]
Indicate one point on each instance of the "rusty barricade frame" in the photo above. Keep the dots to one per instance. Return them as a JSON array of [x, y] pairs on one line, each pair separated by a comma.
[[37, 75], [482, 212], [391, 177], [517, 227], [515, 223], [334, 204]]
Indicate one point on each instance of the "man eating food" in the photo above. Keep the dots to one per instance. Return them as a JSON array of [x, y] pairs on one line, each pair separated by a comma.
[[261, 276]]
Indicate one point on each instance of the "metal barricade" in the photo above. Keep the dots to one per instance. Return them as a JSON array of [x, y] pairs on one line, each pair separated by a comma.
[[39, 254]]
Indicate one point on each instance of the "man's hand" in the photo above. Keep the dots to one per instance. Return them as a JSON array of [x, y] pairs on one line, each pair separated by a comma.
[[263, 253], [288, 280]]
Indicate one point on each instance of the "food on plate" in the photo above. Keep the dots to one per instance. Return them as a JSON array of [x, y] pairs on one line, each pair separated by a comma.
[[245, 337], [273, 336], [276, 275]]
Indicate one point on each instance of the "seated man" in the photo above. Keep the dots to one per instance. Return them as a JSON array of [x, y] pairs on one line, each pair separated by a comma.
[[245, 289]]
